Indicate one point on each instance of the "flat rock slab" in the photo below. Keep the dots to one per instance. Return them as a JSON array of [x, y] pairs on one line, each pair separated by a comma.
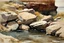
[[40, 24], [26, 17]]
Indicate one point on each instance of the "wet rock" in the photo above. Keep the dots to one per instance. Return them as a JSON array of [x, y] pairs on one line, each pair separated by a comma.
[[47, 18], [39, 24], [6, 16], [24, 27], [8, 39], [52, 29], [12, 26], [26, 17]]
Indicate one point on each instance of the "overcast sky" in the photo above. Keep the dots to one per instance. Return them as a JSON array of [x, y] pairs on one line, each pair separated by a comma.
[[59, 3]]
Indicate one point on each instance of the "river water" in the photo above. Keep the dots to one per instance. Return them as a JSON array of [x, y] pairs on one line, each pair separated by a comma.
[[34, 37]]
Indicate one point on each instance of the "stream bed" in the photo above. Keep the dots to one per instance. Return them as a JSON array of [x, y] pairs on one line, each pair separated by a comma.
[[34, 37]]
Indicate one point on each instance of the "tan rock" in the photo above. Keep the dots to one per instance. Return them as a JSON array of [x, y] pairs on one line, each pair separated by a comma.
[[47, 18], [12, 26], [52, 28], [60, 32], [8, 39], [24, 27], [26, 17], [3, 28]]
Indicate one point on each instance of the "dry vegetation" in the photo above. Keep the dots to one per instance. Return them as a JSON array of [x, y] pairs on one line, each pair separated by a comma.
[[61, 15]]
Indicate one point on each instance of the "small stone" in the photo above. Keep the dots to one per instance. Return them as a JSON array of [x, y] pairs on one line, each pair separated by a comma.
[[24, 27]]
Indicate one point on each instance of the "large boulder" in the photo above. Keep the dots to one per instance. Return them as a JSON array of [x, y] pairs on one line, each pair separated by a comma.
[[12, 26], [8, 39], [7, 16], [60, 32], [39, 24], [26, 17], [2, 28], [52, 28]]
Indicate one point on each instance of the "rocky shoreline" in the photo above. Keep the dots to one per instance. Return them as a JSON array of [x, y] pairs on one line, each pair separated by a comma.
[[15, 17]]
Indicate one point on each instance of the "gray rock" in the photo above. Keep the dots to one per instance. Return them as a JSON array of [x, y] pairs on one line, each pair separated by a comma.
[[39, 24], [6, 16]]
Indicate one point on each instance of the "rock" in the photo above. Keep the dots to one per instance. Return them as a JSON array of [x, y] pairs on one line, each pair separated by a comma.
[[52, 28], [26, 17], [24, 27], [39, 24], [8, 39], [6, 16], [3, 18], [12, 15], [60, 32], [19, 22], [28, 10], [47, 18], [2, 28], [12, 26], [57, 19], [28, 41]]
